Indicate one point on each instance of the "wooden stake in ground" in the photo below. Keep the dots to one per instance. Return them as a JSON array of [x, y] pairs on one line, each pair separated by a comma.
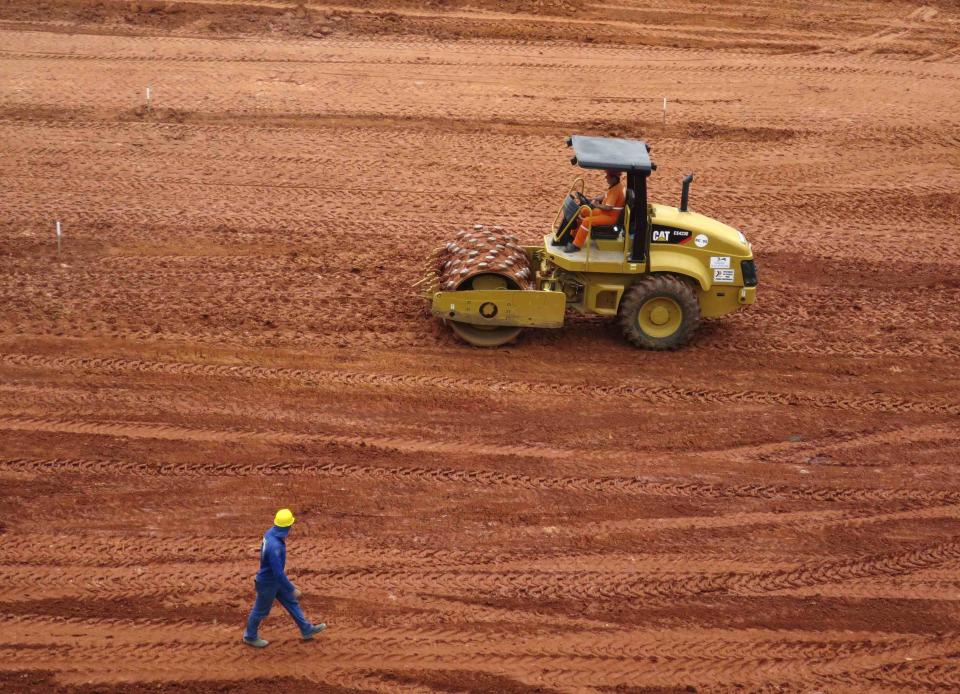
[[148, 98], [58, 239], [664, 111]]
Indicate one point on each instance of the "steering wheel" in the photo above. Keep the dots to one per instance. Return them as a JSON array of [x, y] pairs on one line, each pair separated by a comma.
[[582, 199]]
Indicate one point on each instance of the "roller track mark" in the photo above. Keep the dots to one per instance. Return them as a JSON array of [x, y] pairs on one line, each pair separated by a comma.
[[157, 581], [439, 611], [670, 644], [894, 564], [22, 627], [768, 67], [476, 477], [873, 675], [803, 452], [870, 44], [183, 433], [935, 674], [419, 336], [109, 298], [636, 69], [796, 519], [892, 589], [581, 673], [594, 585], [916, 350], [933, 668], [604, 644], [108, 552], [54, 550], [854, 520], [665, 394], [300, 191], [321, 557], [589, 653], [611, 643]]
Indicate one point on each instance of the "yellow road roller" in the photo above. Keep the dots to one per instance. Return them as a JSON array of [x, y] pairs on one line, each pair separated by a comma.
[[657, 269]]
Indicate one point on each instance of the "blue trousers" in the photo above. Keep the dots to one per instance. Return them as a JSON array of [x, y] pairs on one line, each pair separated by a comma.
[[266, 594]]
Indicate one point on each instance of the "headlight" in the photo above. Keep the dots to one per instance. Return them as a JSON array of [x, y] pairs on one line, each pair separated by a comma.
[[743, 239]]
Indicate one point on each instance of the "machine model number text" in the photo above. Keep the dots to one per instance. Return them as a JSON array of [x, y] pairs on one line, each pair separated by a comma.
[[669, 235]]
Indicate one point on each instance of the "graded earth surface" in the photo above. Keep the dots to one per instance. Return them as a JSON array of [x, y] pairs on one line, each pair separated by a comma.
[[231, 327]]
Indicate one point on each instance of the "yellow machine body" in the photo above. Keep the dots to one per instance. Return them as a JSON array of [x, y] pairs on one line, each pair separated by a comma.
[[658, 269], [594, 279], [495, 307], [711, 256]]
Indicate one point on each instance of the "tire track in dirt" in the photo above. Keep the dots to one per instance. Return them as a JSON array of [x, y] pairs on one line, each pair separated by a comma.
[[899, 588], [878, 40], [175, 432], [528, 585], [323, 556], [818, 519], [149, 404], [194, 406], [596, 585], [818, 451], [665, 394], [50, 550], [933, 673], [488, 596], [718, 649], [780, 332], [627, 64], [605, 643], [158, 581], [573, 662], [924, 185], [774, 345], [640, 486], [424, 334]]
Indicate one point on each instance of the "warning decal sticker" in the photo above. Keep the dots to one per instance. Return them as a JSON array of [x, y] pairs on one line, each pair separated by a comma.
[[720, 261], [723, 275]]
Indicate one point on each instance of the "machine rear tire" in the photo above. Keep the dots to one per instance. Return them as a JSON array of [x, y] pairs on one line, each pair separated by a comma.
[[659, 312]]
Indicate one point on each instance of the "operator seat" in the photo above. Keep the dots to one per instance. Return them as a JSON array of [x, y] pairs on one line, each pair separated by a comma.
[[612, 232]]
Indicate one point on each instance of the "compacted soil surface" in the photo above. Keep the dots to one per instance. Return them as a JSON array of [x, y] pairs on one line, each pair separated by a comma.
[[231, 327]]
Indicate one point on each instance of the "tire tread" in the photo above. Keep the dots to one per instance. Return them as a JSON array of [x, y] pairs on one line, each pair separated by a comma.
[[647, 288]]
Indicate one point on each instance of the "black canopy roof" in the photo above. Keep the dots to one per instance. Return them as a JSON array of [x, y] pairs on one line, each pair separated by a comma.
[[610, 153]]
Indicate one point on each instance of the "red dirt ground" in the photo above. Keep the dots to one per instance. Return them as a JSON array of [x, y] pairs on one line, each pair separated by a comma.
[[231, 328]]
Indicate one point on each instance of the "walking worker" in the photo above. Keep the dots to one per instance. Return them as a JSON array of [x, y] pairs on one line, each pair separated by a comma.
[[272, 584]]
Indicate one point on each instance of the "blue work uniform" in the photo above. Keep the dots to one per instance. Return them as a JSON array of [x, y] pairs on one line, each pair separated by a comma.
[[271, 584]]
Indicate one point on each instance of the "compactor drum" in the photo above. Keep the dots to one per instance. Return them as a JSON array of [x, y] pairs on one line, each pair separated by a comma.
[[657, 269], [482, 260]]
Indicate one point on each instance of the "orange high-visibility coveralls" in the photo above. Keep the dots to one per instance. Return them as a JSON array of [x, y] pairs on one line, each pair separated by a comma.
[[616, 197]]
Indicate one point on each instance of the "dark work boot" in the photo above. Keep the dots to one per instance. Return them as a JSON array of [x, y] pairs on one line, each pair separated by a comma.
[[571, 248], [315, 629]]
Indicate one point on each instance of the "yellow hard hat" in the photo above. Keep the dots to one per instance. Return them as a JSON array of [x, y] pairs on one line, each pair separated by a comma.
[[284, 518]]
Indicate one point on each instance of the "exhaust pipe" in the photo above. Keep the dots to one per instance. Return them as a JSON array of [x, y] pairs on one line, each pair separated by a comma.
[[685, 195]]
